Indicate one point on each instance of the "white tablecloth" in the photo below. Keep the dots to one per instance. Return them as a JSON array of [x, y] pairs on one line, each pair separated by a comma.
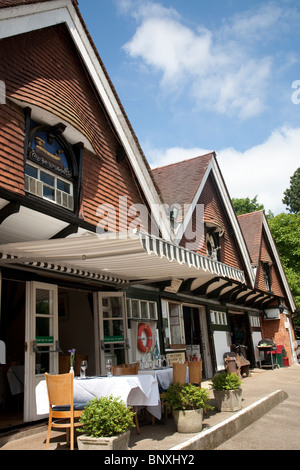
[[163, 376], [134, 390]]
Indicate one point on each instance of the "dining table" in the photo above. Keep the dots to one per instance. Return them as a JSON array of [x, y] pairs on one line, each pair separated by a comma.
[[135, 390], [164, 376]]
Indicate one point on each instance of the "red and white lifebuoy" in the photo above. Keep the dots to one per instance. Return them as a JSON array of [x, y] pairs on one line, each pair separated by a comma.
[[146, 328]]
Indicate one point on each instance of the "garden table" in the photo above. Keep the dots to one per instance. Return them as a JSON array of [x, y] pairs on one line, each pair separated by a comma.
[[135, 390]]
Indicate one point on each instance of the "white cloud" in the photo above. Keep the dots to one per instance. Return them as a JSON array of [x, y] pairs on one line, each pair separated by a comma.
[[262, 170], [213, 69]]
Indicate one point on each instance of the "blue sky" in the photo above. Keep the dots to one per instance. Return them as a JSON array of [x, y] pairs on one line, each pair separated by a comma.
[[197, 75]]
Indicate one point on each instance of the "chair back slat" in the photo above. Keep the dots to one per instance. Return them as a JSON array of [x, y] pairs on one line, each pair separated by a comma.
[[179, 373], [60, 389], [120, 370], [195, 372]]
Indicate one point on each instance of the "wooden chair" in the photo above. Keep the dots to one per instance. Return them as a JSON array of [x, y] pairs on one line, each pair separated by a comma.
[[179, 373], [195, 372], [130, 370], [125, 370], [62, 406]]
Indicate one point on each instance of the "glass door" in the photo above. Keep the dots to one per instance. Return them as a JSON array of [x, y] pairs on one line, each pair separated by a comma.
[[112, 331], [41, 349]]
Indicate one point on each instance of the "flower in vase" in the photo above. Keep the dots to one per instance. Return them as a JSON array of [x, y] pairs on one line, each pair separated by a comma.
[[72, 356]]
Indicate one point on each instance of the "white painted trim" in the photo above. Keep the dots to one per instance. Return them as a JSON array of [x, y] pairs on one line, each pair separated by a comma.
[[278, 262], [183, 226], [234, 222], [18, 20], [212, 167]]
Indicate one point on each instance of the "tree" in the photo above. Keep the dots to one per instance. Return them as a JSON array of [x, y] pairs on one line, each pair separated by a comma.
[[246, 205], [292, 194], [285, 229]]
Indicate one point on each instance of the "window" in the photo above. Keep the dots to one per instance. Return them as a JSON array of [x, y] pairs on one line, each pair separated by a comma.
[[144, 309], [173, 326], [218, 318], [266, 275], [51, 167], [213, 245], [48, 186]]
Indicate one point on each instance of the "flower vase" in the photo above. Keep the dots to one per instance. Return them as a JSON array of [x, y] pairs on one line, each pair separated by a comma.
[[71, 371]]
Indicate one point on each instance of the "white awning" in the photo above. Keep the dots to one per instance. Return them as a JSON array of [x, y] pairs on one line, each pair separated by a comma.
[[118, 257]]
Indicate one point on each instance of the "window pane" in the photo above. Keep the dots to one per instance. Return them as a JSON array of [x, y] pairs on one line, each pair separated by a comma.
[[46, 178], [44, 304], [135, 309], [31, 171], [144, 310], [152, 309], [48, 193], [63, 186]]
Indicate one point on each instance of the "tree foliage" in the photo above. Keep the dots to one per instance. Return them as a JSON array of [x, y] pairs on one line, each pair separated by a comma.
[[285, 229], [292, 194], [246, 205]]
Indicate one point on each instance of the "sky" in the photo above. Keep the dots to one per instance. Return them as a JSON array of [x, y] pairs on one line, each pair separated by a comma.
[[196, 76]]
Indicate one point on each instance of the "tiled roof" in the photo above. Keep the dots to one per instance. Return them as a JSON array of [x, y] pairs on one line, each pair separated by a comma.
[[251, 225], [179, 182], [17, 3]]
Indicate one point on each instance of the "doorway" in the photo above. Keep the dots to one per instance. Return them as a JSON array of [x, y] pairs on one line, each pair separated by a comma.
[[58, 319], [110, 330], [196, 336], [12, 333], [241, 340]]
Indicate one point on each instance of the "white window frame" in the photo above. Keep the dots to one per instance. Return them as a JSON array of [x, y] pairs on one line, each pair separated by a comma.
[[173, 322], [141, 313], [39, 186]]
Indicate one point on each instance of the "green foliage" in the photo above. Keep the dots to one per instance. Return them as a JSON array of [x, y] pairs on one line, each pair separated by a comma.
[[187, 397], [226, 381], [285, 229], [292, 194], [106, 417], [246, 205]]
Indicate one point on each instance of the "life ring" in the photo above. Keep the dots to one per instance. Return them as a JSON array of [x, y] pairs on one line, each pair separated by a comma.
[[144, 327]]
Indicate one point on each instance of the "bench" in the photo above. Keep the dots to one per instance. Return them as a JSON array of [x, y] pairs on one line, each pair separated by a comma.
[[236, 363]]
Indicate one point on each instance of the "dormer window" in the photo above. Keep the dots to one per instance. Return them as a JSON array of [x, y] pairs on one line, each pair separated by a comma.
[[51, 168], [213, 244], [267, 275], [48, 185]]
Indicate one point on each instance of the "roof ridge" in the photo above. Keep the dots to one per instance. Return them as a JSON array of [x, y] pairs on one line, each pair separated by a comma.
[[251, 213], [212, 153]]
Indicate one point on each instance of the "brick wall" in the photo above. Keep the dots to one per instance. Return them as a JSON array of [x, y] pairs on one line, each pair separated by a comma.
[[43, 68], [275, 330], [12, 148]]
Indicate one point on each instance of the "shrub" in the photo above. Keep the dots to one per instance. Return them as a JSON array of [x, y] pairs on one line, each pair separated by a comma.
[[106, 417], [187, 397], [226, 381]]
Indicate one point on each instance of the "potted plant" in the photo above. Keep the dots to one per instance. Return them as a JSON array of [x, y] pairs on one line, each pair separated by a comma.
[[106, 424], [227, 391], [188, 402]]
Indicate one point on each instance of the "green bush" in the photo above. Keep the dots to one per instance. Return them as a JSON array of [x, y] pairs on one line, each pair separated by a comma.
[[187, 397], [226, 381], [106, 417]]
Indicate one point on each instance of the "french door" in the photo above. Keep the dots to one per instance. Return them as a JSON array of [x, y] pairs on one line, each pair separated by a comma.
[[111, 330], [41, 341]]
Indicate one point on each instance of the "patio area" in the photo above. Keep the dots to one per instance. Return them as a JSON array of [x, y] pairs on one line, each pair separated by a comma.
[[164, 436]]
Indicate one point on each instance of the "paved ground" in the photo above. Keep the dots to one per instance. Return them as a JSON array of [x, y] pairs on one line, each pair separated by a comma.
[[277, 429]]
